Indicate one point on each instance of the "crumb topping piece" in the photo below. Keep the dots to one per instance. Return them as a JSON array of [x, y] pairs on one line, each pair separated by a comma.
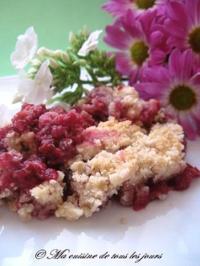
[[20, 143], [158, 155], [69, 211], [126, 103], [49, 192], [110, 136], [25, 212]]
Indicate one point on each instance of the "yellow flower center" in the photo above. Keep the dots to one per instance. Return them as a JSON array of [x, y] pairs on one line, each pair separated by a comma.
[[139, 52], [182, 98], [145, 4], [194, 40]]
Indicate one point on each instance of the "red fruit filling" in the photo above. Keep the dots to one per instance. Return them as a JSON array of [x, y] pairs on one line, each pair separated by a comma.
[[97, 103], [27, 118], [101, 103], [149, 112], [17, 174], [140, 196], [58, 135], [55, 134], [3, 132]]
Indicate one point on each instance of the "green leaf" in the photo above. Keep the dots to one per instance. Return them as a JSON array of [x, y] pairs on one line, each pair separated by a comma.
[[70, 97]]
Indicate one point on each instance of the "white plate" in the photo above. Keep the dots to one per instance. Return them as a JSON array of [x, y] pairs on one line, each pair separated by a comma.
[[170, 228]]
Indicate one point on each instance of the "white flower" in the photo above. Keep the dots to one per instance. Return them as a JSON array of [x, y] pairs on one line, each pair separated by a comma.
[[25, 48], [38, 90], [90, 44]]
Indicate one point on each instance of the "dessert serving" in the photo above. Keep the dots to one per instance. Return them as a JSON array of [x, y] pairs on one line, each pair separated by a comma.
[[111, 145], [98, 126]]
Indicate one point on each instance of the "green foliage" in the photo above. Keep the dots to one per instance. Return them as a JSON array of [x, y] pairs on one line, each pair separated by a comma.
[[66, 67]]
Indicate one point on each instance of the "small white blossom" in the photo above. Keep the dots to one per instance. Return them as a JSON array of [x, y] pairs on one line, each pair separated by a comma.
[[25, 48], [43, 51], [90, 44], [38, 90]]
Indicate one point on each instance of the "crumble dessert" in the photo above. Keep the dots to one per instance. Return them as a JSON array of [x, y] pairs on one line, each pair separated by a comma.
[[158, 155], [71, 163]]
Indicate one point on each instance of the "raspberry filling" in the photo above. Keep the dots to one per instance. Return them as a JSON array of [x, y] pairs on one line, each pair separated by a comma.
[[139, 197], [19, 174], [102, 103], [53, 133]]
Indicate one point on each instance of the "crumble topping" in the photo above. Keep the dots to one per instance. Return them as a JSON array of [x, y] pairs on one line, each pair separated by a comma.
[[110, 136], [128, 99], [69, 211], [25, 212], [49, 192], [5, 194], [158, 155], [23, 142]]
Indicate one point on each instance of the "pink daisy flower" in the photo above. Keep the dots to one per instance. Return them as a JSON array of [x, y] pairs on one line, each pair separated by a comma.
[[140, 41], [183, 24], [120, 7], [177, 86]]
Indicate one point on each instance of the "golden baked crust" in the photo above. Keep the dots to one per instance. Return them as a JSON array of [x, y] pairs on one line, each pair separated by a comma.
[[110, 136], [158, 155]]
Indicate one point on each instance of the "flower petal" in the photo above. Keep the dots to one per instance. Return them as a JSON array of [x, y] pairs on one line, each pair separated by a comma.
[[124, 64], [147, 21], [196, 79], [189, 125], [187, 62], [181, 64], [157, 74], [91, 43], [157, 57], [149, 90], [25, 49], [44, 75], [156, 38], [193, 8], [177, 31], [39, 90], [117, 7], [132, 24], [177, 12], [174, 63], [116, 37], [196, 116]]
